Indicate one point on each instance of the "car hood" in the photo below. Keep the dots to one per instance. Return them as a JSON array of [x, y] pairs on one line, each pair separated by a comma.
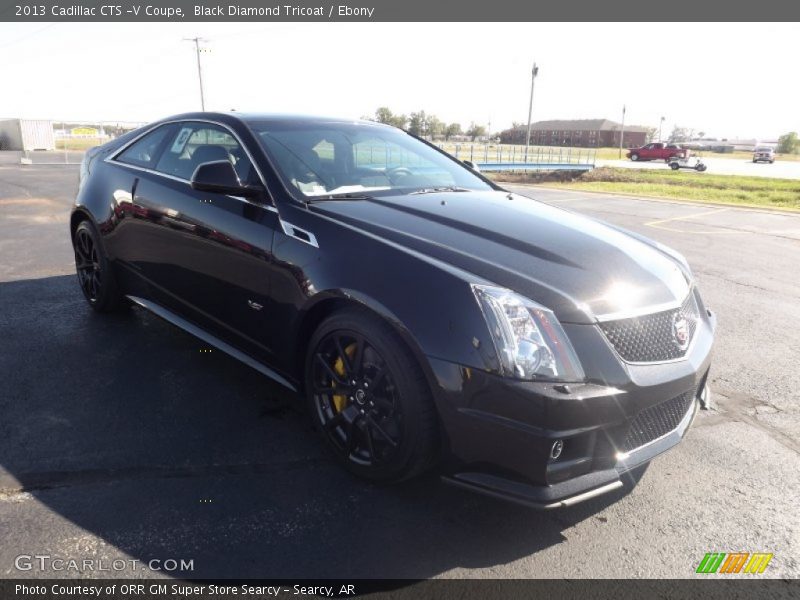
[[580, 268]]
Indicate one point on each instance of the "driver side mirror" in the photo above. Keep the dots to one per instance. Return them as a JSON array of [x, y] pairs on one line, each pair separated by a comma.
[[471, 165], [219, 176]]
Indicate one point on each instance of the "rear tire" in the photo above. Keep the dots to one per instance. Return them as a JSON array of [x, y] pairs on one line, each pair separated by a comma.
[[95, 272], [674, 166], [382, 424]]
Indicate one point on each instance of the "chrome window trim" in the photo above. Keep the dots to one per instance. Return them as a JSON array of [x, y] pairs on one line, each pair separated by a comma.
[[112, 158]]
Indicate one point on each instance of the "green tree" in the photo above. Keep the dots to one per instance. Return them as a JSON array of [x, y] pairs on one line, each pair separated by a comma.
[[681, 134], [475, 131], [451, 130], [417, 123], [384, 115], [435, 126], [788, 143]]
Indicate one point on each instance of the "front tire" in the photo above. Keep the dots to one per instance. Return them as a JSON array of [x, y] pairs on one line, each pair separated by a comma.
[[95, 274], [634, 157], [369, 398]]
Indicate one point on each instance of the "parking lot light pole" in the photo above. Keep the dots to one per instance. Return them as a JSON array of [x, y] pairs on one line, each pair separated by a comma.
[[660, 125], [534, 73], [197, 41], [622, 132]]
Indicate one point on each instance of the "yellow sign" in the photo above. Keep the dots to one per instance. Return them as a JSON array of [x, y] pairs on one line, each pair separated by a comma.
[[88, 131]]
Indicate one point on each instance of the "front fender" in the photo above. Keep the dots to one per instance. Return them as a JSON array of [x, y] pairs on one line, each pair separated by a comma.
[[431, 302]]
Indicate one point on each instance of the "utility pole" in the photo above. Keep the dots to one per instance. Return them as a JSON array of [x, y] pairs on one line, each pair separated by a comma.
[[622, 133], [660, 125], [197, 41], [534, 73]]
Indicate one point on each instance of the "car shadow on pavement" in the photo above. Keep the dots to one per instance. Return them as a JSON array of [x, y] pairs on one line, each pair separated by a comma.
[[137, 442]]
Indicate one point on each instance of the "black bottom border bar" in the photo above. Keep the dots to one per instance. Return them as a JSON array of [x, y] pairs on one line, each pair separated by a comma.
[[727, 587]]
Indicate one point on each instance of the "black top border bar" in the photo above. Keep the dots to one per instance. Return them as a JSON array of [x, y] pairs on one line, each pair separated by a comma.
[[399, 11]]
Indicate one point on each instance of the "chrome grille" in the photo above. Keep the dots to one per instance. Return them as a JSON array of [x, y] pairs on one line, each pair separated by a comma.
[[656, 421], [652, 338]]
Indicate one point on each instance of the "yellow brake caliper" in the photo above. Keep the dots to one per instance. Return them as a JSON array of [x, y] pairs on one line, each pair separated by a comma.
[[340, 400]]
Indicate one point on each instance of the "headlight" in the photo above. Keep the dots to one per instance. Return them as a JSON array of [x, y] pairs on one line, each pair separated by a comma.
[[529, 340]]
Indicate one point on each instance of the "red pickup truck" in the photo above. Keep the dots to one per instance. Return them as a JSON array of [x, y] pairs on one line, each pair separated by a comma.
[[657, 151]]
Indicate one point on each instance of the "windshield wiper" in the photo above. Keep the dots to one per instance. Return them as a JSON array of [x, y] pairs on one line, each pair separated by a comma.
[[342, 196], [433, 190]]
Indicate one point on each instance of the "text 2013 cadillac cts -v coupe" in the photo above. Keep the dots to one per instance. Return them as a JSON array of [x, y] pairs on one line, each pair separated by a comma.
[[428, 316]]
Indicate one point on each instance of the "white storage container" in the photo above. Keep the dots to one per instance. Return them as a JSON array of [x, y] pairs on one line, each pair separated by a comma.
[[27, 134]]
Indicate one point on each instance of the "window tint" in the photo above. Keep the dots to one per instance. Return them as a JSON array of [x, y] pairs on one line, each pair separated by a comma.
[[144, 152], [192, 144]]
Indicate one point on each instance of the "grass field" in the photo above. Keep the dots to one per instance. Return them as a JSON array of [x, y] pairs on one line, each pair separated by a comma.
[[681, 185], [78, 143]]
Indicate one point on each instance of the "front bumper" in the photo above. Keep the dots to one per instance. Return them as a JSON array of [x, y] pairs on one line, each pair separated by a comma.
[[500, 432], [580, 488]]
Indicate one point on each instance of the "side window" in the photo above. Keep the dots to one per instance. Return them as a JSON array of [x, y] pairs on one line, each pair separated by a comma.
[[192, 144], [143, 152]]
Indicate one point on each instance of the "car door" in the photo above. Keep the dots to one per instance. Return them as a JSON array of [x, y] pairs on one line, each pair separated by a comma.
[[133, 222], [209, 255]]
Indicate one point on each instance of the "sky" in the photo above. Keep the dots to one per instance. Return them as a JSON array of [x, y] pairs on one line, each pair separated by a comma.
[[727, 80]]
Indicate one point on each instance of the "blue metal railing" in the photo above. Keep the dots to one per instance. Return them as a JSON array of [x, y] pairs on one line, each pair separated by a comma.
[[531, 166]]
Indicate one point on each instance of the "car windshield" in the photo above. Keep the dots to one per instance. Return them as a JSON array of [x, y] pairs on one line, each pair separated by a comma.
[[329, 159], [764, 149]]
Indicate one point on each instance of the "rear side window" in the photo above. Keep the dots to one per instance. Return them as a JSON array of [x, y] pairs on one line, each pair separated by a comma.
[[145, 151], [192, 144]]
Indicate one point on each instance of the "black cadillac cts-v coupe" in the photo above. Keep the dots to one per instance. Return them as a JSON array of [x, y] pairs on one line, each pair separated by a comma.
[[428, 316]]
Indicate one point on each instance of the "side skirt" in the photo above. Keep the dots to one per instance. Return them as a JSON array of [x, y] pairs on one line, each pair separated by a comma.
[[196, 331]]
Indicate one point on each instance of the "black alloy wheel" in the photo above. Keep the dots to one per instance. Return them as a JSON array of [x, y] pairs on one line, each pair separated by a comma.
[[95, 276], [87, 263], [369, 398]]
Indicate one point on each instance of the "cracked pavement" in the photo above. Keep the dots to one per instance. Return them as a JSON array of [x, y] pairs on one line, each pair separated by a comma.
[[120, 440]]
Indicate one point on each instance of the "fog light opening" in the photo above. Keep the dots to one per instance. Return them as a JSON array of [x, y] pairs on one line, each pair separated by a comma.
[[556, 449]]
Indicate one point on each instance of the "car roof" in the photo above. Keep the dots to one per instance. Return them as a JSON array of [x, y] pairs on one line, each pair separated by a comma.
[[250, 117]]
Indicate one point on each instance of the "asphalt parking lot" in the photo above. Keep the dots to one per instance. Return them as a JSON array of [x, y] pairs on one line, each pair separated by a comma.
[[119, 440]]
